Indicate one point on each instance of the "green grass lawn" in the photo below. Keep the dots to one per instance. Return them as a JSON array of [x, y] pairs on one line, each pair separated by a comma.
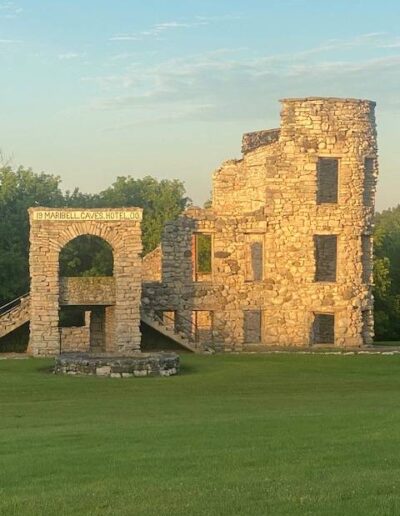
[[232, 435]]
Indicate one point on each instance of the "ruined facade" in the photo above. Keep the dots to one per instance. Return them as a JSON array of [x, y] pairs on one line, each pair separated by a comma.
[[289, 238]]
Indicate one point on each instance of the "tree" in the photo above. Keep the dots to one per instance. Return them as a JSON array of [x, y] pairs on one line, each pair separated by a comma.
[[387, 274], [161, 201], [19, 190], [87, 255]]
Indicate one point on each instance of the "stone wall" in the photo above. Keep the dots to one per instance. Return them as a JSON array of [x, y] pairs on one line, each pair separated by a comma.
[[76, 338], [270, 197], [50, 230], [87, 291], [152, 265]]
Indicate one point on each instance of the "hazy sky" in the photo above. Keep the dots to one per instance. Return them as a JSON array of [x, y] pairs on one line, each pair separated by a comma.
[[93, 89]]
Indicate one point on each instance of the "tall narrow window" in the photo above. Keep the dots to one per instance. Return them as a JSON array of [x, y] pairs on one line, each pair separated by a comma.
[[252, 326], [366, 258], [324, 329], [327, 180], [254, 260], [369, 181], [325, 249], [202, 254]]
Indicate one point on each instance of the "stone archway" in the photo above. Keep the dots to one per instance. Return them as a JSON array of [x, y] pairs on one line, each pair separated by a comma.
[[50, 230]]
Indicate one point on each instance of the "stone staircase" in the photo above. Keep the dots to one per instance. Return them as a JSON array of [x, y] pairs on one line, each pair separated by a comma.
[[166, 328], [14, 314], [17, 312]]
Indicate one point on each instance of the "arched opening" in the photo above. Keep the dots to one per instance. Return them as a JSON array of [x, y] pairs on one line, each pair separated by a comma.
[[86, 255], [87, 295]]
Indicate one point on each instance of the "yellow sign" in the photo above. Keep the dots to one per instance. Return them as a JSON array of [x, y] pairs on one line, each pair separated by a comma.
[[82, 215]]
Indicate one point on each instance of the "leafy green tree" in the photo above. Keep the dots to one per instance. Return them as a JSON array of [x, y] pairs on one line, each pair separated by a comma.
[[86, 255], [387, 274], [19, 190], [161, 201]]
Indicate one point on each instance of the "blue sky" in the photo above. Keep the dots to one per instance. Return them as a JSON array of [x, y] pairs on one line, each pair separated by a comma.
[[91, 90]]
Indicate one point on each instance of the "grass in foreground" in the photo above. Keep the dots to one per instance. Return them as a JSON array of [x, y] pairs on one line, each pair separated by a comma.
[[232, 435]]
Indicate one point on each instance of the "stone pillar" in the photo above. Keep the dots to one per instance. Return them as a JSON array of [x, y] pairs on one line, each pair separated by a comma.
[[43, 264], [128, 281], [109, 327]]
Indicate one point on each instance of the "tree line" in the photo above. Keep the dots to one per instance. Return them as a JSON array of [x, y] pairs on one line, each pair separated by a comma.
[[20, 189], [161, 200]]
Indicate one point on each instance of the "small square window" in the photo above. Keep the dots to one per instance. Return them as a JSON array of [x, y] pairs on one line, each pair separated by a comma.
[[324, 329]]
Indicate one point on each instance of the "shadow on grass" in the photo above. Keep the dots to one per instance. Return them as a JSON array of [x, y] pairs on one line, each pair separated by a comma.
[[45, 369], [188, 369]]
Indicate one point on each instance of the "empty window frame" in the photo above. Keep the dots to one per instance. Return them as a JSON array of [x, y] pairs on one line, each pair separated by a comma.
[[366, 258], [252, 326], [327, 180], [203, 326], [72, 316], [324, 329], [202, 256], [254, 257], [325, 251], [369, 181]]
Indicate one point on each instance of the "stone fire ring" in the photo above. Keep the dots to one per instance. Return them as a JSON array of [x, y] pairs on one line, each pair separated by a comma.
[[139, 364]]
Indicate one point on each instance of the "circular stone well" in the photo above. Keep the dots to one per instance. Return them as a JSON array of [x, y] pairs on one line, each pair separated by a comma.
[[139, 364]]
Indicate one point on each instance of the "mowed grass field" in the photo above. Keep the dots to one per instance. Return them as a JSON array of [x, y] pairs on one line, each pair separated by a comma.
[[231, 435]]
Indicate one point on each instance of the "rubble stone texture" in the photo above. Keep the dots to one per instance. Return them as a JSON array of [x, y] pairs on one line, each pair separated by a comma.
[[151, 265], [95, 290], [273, 275], [122, 292], [136, 365]]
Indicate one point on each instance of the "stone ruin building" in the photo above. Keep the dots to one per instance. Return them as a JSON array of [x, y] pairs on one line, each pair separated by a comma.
[[290, 238], [282, 258]]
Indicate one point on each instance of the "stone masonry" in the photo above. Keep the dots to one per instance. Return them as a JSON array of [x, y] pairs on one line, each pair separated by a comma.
[[51, 229], [291, 245]]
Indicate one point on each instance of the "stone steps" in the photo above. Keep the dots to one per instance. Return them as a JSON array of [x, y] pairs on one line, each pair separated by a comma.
[[15, 317], [179, 338]]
